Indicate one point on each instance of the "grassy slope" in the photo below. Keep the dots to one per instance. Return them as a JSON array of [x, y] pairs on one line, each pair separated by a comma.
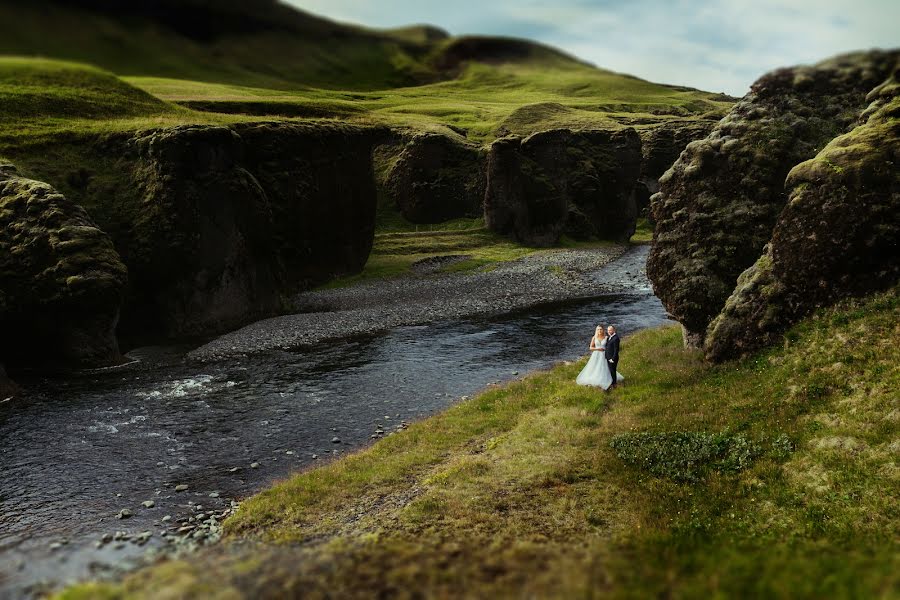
[[255, 43], [486, 100], [270, 60], [563, 491]]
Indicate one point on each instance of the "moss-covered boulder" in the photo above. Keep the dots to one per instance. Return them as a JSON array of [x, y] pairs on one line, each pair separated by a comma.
[[437, 178], [719, 202], [562, 181], [838, 236], [61, 280]]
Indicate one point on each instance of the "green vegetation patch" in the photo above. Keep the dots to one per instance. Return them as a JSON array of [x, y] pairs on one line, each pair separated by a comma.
[[688, 456]]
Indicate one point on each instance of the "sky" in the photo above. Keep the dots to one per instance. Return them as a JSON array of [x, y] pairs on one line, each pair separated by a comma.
[[714, 45]]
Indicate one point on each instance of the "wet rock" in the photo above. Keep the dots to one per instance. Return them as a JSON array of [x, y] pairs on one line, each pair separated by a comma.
[[838, 236], [181, 487], [61, 280], [148, 503], [720, 201], [335, 440], [577, 182], [124, 514], [437, 178]]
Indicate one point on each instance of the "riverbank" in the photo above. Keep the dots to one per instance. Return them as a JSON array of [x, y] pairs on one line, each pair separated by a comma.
[[773, 477], [438, 288]]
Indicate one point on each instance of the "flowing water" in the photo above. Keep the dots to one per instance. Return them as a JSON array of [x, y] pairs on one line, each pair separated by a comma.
[[77, 451]]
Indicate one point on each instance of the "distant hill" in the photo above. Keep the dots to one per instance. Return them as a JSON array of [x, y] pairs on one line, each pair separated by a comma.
[[260, 43], [180, 61]]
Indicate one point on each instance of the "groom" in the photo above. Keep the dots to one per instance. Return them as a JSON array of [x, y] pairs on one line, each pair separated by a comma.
[[612, 353]]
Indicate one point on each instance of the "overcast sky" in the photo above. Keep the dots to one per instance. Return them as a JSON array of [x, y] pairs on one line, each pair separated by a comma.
[[719, 46]]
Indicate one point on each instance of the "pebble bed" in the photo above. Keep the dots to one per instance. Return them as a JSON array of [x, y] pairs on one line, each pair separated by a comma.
[[547, 277]]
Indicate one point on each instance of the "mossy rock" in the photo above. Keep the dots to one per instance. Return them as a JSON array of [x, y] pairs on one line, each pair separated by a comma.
[[61, 280], [578, 182], [838, 236], [437, 178], [720, 201]]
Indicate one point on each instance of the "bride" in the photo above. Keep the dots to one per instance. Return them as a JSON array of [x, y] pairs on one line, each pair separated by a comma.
[[596, 371]]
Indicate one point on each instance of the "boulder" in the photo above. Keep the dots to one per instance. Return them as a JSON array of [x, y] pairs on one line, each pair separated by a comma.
[[61, 280], [838, 236], [562, 181], [437, 178], [719, 202]]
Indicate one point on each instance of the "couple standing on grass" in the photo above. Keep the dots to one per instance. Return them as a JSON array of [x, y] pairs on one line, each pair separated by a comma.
[[600, 369]]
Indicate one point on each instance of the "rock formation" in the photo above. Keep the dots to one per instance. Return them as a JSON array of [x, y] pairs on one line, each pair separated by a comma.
[[231, 220], [838, 236], [660, 148], [437, 178], [719, 202], [561, 181], [61, 280]]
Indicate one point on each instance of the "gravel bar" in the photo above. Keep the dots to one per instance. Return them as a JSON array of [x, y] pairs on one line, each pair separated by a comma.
[[547, 277]]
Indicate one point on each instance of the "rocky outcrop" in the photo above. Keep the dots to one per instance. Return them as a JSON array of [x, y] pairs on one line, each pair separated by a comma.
[[719, 202], [61, 280], [437, 178], [838, 236], [228, 221], [561, 181]]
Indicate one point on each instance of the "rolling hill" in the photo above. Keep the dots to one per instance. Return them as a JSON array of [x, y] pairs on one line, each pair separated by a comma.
[[266, 59]]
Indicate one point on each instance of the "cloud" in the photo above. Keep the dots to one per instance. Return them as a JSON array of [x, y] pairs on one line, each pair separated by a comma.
[[719, 45]]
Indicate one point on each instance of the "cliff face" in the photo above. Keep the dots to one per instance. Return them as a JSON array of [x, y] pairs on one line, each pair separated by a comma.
[[577, 182], [61, 281], [838, 236], [719, 202], [218, 224], [437, 178], [232, 219]]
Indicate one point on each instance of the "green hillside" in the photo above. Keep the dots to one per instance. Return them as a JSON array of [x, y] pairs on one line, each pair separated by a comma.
[[264, 59]]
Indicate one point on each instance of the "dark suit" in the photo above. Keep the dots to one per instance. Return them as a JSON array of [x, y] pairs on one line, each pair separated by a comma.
[[612, 355]]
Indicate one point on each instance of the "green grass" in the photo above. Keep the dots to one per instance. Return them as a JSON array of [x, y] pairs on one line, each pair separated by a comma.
[[486, 100], [543, 488], [393, 254], [644, 232]]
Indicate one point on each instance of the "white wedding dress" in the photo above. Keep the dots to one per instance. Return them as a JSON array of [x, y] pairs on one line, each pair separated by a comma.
[[596, 371]]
